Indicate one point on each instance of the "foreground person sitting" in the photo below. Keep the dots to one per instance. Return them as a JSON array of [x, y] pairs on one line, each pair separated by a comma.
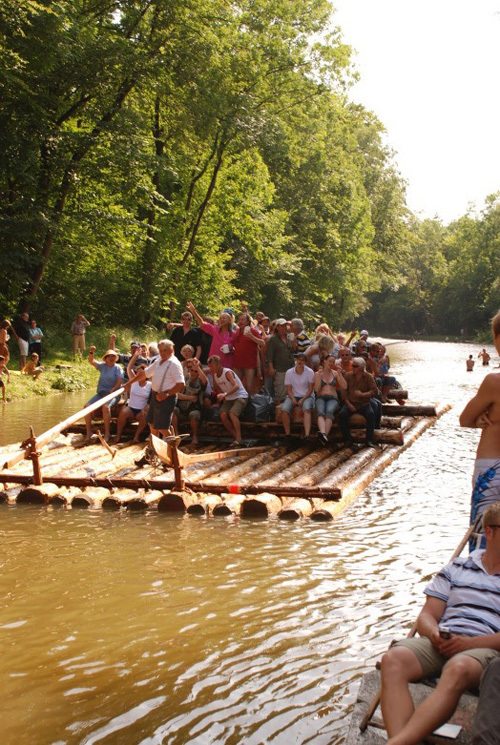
[[110, 379], [167, 380], [232, 397], [299, 384], [465, 597]]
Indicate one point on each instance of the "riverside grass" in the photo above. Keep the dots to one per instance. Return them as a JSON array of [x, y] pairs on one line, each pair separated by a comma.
[[61, 372]]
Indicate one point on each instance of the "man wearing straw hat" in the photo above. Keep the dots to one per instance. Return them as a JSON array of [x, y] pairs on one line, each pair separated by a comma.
[[110, 379], [459, 629]]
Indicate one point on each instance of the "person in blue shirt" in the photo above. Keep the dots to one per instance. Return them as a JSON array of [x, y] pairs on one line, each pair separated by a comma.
[[110, 379]]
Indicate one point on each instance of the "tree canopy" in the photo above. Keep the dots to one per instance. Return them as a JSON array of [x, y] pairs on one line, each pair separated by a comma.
[[154, 151]]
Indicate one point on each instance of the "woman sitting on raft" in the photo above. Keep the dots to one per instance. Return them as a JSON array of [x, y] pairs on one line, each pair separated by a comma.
[[327, 382]]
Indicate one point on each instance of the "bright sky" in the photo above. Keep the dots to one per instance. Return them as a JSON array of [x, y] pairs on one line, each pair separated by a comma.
[[430, 71]]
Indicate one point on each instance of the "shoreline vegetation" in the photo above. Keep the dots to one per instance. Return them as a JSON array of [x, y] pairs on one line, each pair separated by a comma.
[[63, 374]]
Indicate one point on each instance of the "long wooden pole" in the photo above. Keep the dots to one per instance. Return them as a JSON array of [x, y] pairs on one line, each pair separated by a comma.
[[52, 433], [121, 482], [376, 700]]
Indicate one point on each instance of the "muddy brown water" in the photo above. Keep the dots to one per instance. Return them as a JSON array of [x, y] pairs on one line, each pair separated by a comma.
[[122, 629]]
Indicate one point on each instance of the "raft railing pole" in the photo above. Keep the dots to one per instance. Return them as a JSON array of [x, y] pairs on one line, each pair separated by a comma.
[[34, 455]]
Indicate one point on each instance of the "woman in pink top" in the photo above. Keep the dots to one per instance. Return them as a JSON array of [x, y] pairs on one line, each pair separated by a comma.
[[222, 336]]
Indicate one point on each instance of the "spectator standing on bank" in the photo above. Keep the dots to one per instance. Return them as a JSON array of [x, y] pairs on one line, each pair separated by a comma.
[[36, 336], [78, 329], [21, 330]]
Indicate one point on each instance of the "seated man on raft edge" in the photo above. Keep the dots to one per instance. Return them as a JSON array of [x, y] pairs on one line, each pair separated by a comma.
[[465, 597], [232, 397]]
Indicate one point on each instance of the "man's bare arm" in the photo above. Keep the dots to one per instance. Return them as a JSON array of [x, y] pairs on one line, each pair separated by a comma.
[[488, 393]]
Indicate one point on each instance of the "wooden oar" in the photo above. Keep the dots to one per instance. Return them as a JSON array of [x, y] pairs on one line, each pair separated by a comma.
[[52, 433], [376, 699]]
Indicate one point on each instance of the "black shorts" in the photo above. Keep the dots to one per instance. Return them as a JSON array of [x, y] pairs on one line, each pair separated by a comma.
[[160, 412]]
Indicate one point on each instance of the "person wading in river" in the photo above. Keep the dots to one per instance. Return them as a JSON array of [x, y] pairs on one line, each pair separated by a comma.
[[484, 411]]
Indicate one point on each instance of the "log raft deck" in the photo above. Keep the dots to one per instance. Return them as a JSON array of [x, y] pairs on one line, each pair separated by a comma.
[[375, 734], [292, 479]]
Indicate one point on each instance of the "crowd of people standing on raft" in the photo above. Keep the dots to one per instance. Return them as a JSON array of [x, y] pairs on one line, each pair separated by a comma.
[[212, 370]]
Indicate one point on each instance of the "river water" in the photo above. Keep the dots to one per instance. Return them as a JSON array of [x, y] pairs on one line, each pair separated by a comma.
[[122, 629]]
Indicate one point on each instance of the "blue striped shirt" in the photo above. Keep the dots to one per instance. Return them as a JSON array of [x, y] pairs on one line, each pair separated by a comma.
[[472, 596]]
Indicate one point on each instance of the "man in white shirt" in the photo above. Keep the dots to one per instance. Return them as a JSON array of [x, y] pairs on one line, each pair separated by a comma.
[[299, 384], [167, 380]]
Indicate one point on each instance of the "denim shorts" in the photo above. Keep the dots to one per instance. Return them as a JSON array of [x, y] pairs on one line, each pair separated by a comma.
[[307, 404], [327, 406]]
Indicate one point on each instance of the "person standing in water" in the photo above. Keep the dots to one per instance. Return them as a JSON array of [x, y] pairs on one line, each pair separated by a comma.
[[483, 411]]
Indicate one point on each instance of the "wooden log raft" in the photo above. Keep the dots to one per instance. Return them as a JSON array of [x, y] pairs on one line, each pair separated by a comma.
[[204, 504], [293, 509], [261, 505], [229, 505]]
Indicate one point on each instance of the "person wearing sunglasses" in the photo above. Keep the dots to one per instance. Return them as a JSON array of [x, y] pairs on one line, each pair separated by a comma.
[[360, 397]]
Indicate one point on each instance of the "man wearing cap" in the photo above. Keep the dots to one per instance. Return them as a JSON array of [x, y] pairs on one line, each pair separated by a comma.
[[279, 357], [167, 380], [110, 379], [124, 359]]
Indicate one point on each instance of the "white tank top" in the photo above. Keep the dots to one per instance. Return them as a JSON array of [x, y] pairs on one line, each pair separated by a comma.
[[224, 385]]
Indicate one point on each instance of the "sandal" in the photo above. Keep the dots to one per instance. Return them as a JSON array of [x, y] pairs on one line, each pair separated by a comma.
[[235, 444]]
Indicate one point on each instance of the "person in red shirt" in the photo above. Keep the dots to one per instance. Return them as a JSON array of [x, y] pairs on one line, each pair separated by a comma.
[[246, 343]]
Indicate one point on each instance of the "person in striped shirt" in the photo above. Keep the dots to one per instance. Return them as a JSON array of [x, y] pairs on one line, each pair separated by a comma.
[[459, 629]]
